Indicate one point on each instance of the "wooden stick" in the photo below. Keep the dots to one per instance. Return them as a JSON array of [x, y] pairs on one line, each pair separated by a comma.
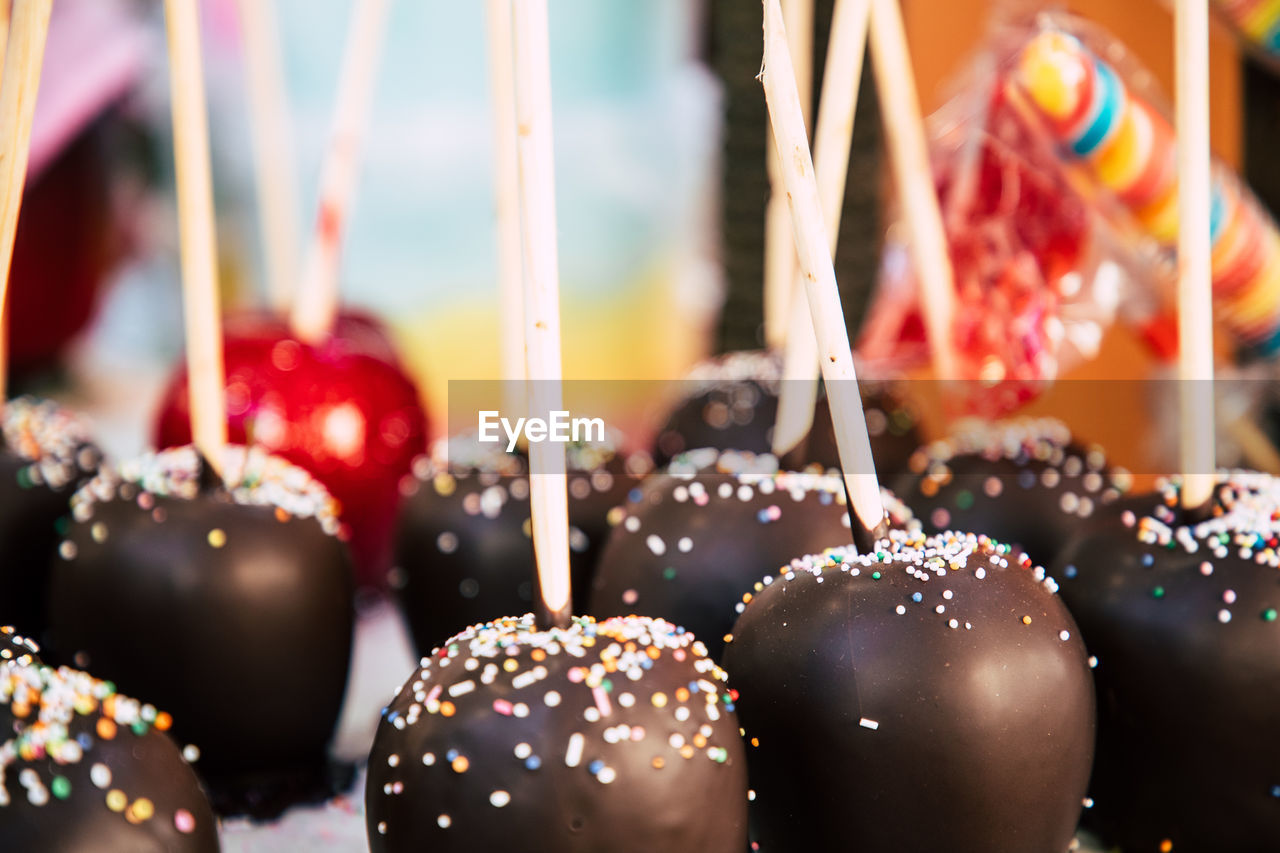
[[506, 171], [1195, 289], [779, 250], [6, 13], [316, 303], [18, 90], [905, 140], [276, 178], [866, 509], [547, 481], [196, 231], [833, 139]]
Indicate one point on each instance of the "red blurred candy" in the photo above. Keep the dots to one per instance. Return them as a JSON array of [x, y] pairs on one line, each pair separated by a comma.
[[344, 410]]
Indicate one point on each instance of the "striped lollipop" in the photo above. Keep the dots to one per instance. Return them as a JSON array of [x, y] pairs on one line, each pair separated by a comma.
[[1129, 149]]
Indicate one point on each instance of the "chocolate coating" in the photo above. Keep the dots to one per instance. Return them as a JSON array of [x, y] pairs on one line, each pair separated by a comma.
[[615, 736], [84, 768], [228, 601], [732, 404], [962, 721], [45, 455], [698, 536], [1022, 481], [1182, 617], [464, 554]]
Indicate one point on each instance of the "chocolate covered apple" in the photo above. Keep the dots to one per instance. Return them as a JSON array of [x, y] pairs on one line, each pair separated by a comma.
[[696, 537], [1024, 481], [46, 454], [618, 735], [933, 694], [343, 409], [731, 402], [1181, 609], [83, 767], [227, 599], [464, 549]]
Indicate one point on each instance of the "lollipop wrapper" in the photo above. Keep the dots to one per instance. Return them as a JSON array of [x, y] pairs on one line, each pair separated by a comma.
[[1038, 274]]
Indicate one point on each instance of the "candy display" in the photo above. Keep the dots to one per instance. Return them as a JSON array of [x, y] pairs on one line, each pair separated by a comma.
[[226, 599], [613, 735], [1258, 21], [1035, 274], [1127, 147], [46, 455], [344, 410], [1023, 481], [936, 677], [1180, 609], [731, 402], [86, 768], [696, 537], [464, 551]]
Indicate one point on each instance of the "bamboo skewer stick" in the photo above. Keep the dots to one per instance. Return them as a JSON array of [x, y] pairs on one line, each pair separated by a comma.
[[833, 139], [778, 77], [779, 250], [196, 231], [1195, 293], [275, 177], [548, 497], [315, 305], [507, 208]]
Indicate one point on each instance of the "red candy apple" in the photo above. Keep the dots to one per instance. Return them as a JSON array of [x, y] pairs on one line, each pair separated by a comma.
[[343, 409]]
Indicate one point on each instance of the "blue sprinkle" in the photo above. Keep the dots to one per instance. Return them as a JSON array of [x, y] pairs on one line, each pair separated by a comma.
[[84, 740], [917, 597], [728, 706], [646, 663], [451, 754], [1072, 571], [533, 762], [763, 516], [1147, 559], [634, 495], [1026, 479], [693, 687], [825, 498], [595, 767], [1275, 791]]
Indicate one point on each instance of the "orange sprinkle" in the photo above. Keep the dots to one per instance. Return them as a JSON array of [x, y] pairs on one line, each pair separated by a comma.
[[447, 709], [658, 762], [282, 514], [1026, 620], [699, 741], [538, 655], [755, 741], [1166, 846], [686, 751], [106, 729], [461, 764], [682, 694], [653, 652], [163, 721]]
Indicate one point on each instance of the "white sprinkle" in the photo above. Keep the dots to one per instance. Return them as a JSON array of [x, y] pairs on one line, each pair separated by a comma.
[[573, 754], [499, 798], [626, 700], [525, 678], [444, 821], [632, 524], [382, 827], [656, 545], [462, 687], [606, 775], [100, 775], [901, 610], [393, 761], [1224, 616], [428, 758], [948, 594], [552, 699], [869, 724], [1064, 636], [685, 545], [523, 751]]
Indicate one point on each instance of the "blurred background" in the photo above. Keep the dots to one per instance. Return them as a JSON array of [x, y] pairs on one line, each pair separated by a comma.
[[660, 145]]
